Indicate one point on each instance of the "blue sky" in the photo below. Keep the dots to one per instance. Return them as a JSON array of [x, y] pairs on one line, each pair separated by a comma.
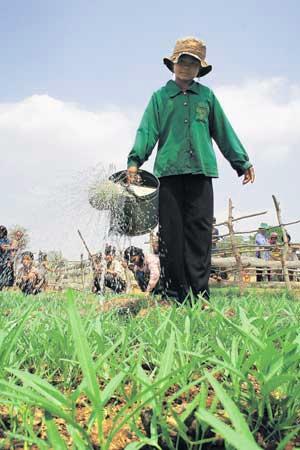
[[100, 52], [76, 76]]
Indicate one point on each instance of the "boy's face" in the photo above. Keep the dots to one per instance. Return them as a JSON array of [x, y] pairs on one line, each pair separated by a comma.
[[135, 259], [27, 261], [187, 68]]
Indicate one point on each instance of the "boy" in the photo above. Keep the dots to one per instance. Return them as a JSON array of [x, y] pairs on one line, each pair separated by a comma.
[[182, 117], [135, 259], [29, 280], [115, 276], [97, 272]]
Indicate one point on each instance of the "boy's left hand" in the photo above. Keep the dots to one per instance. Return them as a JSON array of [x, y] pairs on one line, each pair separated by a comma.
[[249, 175]]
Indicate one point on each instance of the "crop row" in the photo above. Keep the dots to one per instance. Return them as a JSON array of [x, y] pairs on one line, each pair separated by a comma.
[[166, 377]]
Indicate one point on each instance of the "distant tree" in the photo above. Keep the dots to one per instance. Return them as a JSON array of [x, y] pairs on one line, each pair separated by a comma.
[[226, 241], [240, 240], [56, 258]]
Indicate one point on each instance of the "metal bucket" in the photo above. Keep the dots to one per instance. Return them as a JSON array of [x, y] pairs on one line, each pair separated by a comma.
[[135, 215]]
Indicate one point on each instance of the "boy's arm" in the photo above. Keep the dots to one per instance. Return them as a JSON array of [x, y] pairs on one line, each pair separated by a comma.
[[227, 140], [146, 136], [154, 269], [20, 278]]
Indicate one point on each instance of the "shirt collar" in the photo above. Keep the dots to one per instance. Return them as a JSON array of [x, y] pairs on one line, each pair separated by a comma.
[[173, 89]]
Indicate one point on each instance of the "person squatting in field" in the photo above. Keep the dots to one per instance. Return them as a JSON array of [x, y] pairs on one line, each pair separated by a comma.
[[29, 279], [146, 268], [183, 117], [114, 278]]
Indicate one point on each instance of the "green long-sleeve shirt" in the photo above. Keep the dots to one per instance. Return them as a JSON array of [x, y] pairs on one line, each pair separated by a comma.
[[183, 124]]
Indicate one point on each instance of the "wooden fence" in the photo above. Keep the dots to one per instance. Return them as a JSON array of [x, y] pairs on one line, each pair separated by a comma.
[[231, 260], [235, 262]]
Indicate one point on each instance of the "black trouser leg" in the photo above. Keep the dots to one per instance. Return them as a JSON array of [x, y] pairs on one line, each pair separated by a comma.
[[141, 278], [114, 283], [259, 275], [186, 212], [198, 219], [96, 285], [171, 235]]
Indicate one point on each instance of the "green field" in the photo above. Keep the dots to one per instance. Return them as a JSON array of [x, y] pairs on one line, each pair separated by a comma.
[[152, 375]]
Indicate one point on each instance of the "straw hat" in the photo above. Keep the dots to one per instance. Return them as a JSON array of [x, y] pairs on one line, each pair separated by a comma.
[[189, 46]]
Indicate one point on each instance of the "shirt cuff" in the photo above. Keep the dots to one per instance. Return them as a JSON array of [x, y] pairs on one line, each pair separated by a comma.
[[242, 170], [132, 163]]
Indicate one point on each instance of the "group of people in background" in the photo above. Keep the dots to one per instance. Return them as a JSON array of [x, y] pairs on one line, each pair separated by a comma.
[[17, 267], [129, 271], [269, 249]]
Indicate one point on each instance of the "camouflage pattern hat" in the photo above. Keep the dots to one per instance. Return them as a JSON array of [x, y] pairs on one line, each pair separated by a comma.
[[189, 46]]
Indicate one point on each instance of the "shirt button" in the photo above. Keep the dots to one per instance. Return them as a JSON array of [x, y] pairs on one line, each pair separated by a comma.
[[184, 93], [185, 121], [191, 152], [185, 104]]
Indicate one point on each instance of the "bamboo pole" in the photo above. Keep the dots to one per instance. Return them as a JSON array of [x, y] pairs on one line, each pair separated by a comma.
[[249, 215], [285, 249], [82, 270], [235, 250], [251, 261], [241, 218]]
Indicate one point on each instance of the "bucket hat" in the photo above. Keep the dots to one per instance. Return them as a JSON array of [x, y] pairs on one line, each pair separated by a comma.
[[263, 226], [189, 46]]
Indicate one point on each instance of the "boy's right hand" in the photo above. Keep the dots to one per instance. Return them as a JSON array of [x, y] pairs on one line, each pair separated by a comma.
[[131, 174]]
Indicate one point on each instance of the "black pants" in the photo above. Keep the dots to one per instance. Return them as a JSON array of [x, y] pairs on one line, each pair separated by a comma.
[[29, 289], [7, 277], [142, 278], [96, 285], [114, 283], [185, 229]]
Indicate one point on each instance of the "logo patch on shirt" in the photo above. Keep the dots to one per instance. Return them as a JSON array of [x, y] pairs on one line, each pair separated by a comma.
[[202, 111]]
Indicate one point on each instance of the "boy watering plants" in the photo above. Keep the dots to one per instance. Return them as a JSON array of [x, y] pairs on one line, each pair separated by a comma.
[[183, 117]]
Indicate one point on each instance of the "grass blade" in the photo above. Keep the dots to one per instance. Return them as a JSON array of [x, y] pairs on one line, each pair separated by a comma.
[[54, 437], [237, 440], [235, 415]]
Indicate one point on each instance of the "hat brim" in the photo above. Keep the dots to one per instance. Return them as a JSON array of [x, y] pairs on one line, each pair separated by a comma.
[[204, 69], [263, 226]]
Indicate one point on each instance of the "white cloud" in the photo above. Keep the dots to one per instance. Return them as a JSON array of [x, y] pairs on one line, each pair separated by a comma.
[[266, 114], [45, 142], [42, 129]]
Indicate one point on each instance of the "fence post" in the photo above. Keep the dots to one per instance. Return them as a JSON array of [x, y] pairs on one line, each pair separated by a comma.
[[235, 250], [82, 271], [284, 251]]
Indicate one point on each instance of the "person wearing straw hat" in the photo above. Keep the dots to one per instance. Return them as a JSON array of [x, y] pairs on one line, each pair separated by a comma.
[[183, 117]]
